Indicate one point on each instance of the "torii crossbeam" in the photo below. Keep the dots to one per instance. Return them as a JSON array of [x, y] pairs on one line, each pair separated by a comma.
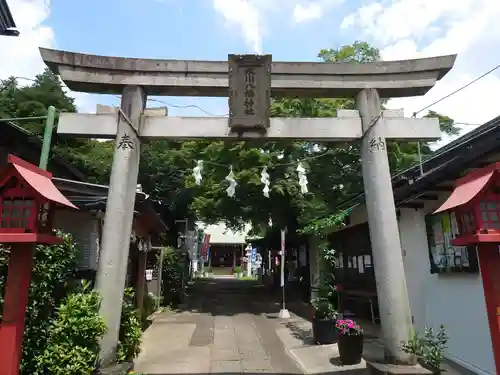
[[249, 81]]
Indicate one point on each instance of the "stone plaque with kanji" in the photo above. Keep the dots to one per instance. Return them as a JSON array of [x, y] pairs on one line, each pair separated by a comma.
[[249, 92]]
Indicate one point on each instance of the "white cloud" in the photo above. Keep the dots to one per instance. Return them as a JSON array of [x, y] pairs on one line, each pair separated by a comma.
[[20, 55], [419, 28], [247, 16], [308, 12], [251, 17]]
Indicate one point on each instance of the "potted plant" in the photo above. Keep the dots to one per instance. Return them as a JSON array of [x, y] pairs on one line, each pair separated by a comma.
[[325, 312], [350, 341], [428, 349], [323, 322]]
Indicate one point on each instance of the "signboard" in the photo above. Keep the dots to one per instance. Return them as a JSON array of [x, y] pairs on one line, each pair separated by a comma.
[[149, 275], [249, 92]]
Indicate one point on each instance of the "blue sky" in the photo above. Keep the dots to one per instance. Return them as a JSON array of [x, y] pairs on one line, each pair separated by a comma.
[[194, 30]]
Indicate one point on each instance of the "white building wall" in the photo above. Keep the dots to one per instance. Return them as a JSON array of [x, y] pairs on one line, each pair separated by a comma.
[[85, 231], [455, 300], [220, 234]]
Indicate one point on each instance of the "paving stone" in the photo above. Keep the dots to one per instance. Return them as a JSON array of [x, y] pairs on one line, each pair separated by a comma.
[[253, 353], [261, 365], [226, 334], [233, 367], [225, 354]]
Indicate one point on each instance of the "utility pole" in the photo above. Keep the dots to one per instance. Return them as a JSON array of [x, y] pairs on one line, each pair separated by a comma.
[[47, 137]]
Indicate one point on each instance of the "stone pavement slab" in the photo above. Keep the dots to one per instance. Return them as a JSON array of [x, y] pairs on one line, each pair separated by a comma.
[[296, 335], [227, 331], [320, 359]]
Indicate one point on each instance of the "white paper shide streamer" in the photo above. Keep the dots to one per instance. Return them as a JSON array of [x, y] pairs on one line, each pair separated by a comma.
[[264, 178], [197, 172], [302, 179], [232, 183]]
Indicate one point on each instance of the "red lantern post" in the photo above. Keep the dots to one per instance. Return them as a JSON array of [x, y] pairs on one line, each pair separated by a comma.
[[28, 199]]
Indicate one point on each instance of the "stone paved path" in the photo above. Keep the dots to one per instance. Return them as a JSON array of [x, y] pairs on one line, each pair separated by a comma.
[[228, 327]]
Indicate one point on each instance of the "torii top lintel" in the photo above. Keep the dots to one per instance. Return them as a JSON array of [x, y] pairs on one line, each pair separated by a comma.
[[107, 74]]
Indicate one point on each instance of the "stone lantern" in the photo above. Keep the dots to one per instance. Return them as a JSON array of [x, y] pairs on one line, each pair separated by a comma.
[[28, 200]]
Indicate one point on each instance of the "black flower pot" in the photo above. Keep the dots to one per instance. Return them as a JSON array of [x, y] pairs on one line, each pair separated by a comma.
[[350, 349], [324, 332]]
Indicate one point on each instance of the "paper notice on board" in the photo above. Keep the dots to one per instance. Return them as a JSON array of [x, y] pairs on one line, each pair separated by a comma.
[[454, 225], [437, 230], [446, 223], [368, 261], [361, 269]]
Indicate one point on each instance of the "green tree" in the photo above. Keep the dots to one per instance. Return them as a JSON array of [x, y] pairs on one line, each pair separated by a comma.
[[87, 155], [334, 173]]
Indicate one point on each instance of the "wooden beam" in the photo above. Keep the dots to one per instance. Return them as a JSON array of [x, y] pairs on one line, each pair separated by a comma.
[[414, 205], [442, 188], [428, 197]]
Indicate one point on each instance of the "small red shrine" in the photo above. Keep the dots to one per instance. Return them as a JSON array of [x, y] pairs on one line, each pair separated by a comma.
[[475, 203], [28, 200]]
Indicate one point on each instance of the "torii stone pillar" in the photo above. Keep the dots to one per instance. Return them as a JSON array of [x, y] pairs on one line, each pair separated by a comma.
[[119, 216], [392, 294], [250, 88]]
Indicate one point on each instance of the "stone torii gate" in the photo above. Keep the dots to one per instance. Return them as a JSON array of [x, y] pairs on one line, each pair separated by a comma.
[[249, 81]]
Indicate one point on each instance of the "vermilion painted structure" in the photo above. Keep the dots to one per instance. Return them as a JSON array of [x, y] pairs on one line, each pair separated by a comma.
[[28, 199], [475, 203]]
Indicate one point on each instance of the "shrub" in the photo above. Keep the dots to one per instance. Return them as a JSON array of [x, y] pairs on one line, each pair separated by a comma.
[[130, 329], [53, 267], [173, 273], [430, 348], [324, 303], [238, 269], [73, 340], [149, 305]]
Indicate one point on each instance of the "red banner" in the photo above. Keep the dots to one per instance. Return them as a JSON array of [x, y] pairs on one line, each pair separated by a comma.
[[206, 244]]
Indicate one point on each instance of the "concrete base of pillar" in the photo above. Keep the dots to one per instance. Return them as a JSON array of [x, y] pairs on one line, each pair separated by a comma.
[[388, 369], [284, 314]]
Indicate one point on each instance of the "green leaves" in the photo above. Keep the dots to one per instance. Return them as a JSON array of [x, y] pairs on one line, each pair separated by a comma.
[[129, 343], [73, 341], [62, 323], [428, 348], [174, 263], [324, 303]]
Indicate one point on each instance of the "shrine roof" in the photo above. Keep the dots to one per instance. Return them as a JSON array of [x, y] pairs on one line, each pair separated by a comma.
[[39, 180], [447, 163], [94, 197], [7, 24]]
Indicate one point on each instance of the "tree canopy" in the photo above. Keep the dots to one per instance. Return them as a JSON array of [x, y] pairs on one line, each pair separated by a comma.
[[333, 170]]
